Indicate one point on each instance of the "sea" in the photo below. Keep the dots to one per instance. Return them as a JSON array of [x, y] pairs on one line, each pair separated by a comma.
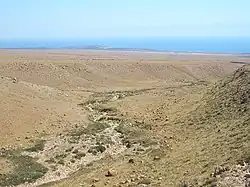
[[171, 44]]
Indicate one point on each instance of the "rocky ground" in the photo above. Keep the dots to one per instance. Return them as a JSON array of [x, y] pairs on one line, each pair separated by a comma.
[[103, 118]]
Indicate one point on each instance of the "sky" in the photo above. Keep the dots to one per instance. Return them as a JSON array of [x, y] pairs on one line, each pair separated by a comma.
[[66, 19]]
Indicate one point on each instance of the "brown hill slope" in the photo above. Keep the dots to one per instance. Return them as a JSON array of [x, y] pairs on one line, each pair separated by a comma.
[[232, 95], [214, 135], [219, 128]]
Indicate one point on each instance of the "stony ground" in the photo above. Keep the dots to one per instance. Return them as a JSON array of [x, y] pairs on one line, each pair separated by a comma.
[[102, 118]]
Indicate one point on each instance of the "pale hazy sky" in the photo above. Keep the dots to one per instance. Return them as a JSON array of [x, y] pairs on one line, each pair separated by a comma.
[[47, 19]]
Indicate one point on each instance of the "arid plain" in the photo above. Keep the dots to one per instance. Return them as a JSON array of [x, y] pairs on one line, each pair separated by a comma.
[[124, 118]]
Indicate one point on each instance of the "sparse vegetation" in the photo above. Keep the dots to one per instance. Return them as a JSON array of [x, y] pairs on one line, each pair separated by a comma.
[[26, 169], [79, 155], [60, 156], [102, 139], [183, 184], [171, 124], [61, 161], [69, 149], [92, 128], [75, 151], [38, 146], [96, 127], [133, 135], [51, 160], [74, 139], [98, 148], [246, 157]]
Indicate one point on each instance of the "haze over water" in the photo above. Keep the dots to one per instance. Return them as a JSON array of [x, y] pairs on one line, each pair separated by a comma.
[[207, 45]]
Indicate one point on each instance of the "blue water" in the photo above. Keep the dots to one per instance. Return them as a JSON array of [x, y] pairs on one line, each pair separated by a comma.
[[208, 45]]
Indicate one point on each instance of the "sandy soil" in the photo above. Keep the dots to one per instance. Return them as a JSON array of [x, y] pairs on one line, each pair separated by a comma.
[[47, 94]]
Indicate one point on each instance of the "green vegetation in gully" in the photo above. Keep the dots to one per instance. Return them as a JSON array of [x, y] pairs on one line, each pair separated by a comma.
[[26, 169]]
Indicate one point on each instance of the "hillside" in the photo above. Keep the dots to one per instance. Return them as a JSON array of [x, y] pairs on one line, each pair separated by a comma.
[[114, 118], [221, 126]]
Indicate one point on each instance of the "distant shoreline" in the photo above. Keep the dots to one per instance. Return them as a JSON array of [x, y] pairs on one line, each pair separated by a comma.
[[129, 50], [235, 46]]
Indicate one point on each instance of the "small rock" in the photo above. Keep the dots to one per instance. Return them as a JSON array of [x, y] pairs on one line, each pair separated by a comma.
[[218, 170], [156, 158], [96, 180], [139, 121], [124, 182], [132, 184], [128, 145], [14, 80], [17, 138], [140, 149], [142, 176], [142, 185], [131, 161], [145, 181], [75, 151], [106, 183], [247, 175], [110, 173], [115, 98], [247, 184]]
